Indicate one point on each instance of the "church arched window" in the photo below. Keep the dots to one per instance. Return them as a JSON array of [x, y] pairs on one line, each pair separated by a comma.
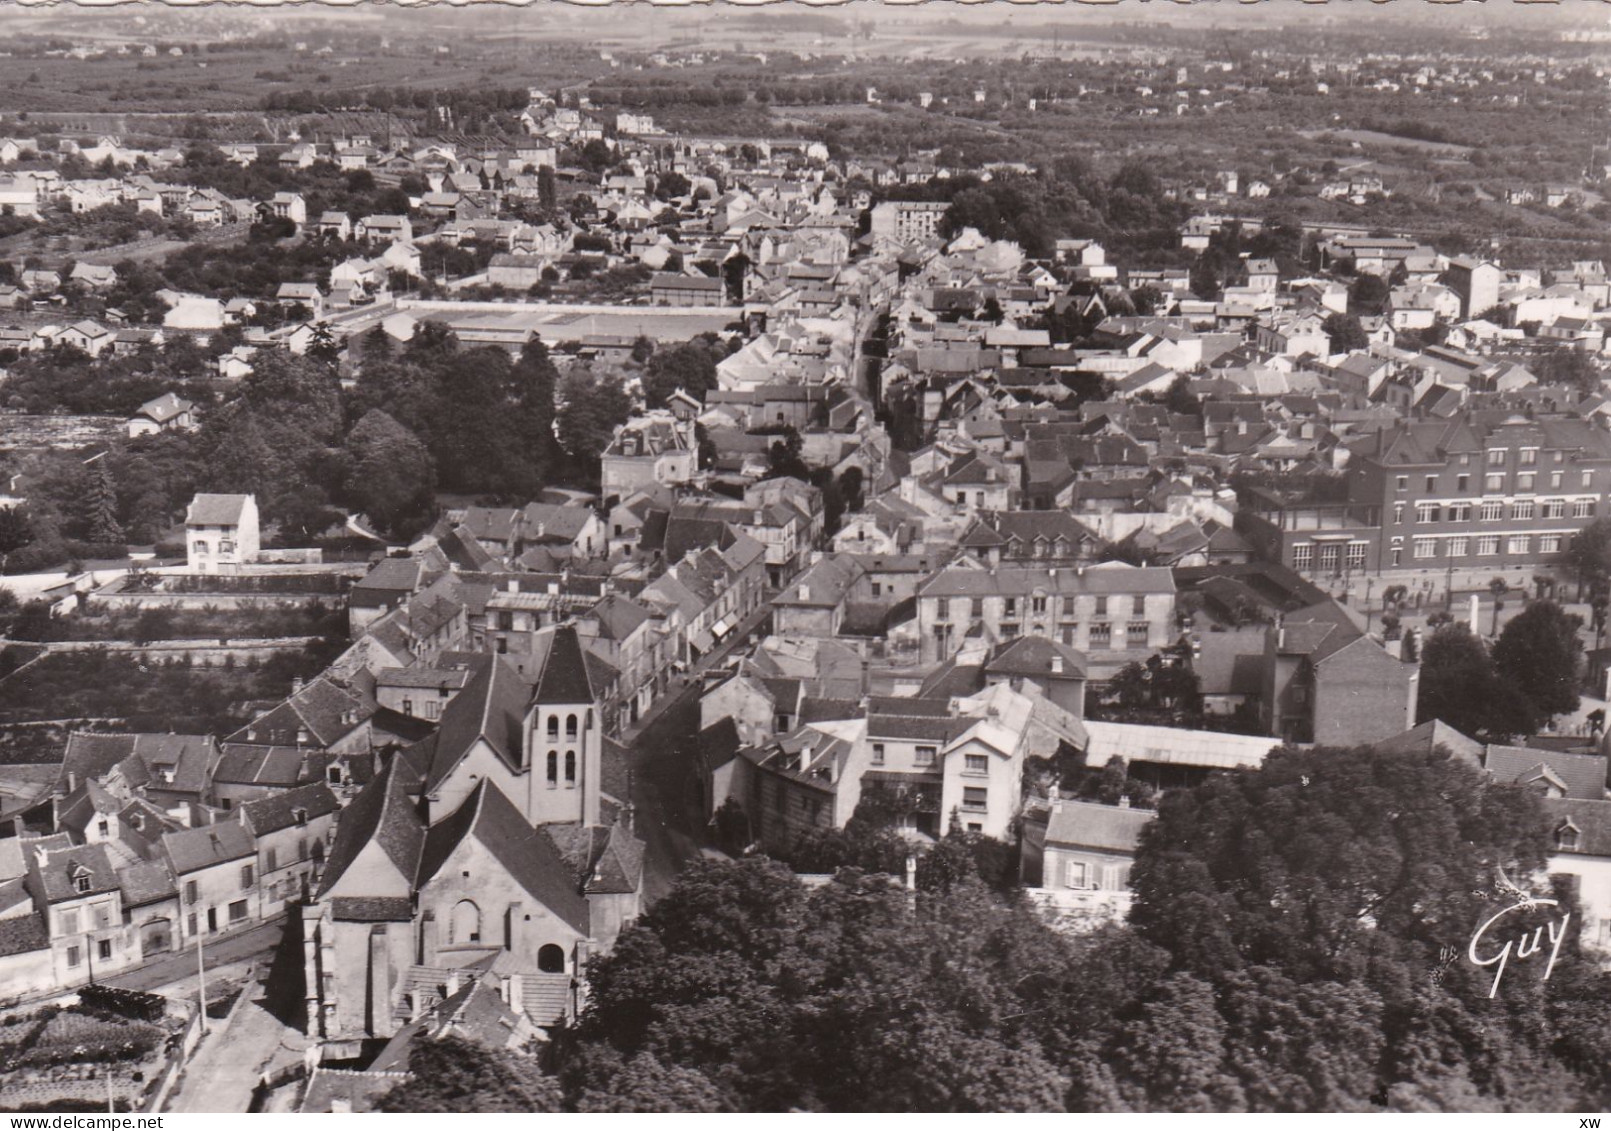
[[465, 926]]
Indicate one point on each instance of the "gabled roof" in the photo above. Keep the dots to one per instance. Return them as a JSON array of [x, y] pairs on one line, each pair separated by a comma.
[[282, 810], [216, 510], [191, 850], [53, 875], [530, 857], [492, 707], [381, 812], [1038, 657], [1106, 828], [1581, 776]]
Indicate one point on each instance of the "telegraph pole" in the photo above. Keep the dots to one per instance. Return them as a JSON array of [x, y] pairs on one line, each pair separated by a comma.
[[201, 982]]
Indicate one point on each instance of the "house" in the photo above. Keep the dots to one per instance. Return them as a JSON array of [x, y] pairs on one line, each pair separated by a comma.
[[90, 337], [335, 226], [1077, 857], [304, 294], [655, 449], [96, 276], [292, 831], [215, 869], [288, 206], [383, 229], [167, 413], [1326, 681], [221, 532], [76, 892], [687, 290], [1113, 613]]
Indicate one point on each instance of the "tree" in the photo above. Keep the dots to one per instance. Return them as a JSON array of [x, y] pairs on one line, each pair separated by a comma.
[[1460, 687], [1590, 555], [592, 408], [393, 478], [101, 500], [783, 457], [1539, 653], [454, 1075], [688, 367], [1323, 857], [850, 997], [1146, 299], [1368, 294], [1346, 333]]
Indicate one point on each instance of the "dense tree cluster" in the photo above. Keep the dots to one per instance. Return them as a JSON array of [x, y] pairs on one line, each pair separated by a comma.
[[1295, 946], [1529, 675]]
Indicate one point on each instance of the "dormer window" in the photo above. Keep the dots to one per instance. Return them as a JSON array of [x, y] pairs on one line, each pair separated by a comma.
[[81, 881], [301, 816], [1566, 837]]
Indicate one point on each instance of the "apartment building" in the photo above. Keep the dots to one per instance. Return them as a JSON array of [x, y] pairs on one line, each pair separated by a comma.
[[1473, 492], [1114, 613]]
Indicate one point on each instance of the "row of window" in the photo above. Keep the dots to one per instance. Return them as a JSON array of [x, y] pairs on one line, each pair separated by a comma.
[[1497, 457], [1495, 510], [248, 877], [570, 769], [1101, 635], [224, 547], [962, 608], [103, 952], [1333, 557], [1487, 545]]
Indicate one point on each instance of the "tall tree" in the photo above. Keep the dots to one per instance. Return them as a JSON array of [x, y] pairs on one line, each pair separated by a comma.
[[101, 501], [393, 478], [1460, 687], [1539, 653], [592, 407]]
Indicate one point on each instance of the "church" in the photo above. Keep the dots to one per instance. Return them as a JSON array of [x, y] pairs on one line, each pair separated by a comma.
[[494, 846]]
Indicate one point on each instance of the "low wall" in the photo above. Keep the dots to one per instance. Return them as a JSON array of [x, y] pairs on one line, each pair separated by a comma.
[[108, 598], [209, 653]]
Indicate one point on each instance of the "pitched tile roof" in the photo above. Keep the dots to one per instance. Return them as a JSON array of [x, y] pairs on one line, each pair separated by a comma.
[[1583, 775], [530, 857], [190, 850], [492, 707], [216, 510], [1085, 824], [381, 812], [280, 810]]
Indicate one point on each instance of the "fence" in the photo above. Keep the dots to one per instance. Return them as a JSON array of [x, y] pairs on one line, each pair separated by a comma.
[[177, 1060]]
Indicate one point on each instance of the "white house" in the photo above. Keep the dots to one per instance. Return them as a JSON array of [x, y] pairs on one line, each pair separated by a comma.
[[221, 532]]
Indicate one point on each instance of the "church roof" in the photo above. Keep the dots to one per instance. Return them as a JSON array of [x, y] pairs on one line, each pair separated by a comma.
[[562, 677], [492, 706], [531, 858], [382, 812]]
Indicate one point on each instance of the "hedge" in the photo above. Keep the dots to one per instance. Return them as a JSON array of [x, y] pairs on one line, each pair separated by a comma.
[[135, 1004]]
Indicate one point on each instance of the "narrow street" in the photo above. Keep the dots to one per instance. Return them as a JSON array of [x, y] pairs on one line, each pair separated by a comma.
[[232, 1057], [175, 974], [663, 751]]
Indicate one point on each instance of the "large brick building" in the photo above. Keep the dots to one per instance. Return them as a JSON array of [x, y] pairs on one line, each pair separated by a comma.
[[1482, 491]]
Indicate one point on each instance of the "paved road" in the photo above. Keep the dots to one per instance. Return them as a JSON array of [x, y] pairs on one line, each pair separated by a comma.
[[177, 971], [232, 1057], [665, 788]]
